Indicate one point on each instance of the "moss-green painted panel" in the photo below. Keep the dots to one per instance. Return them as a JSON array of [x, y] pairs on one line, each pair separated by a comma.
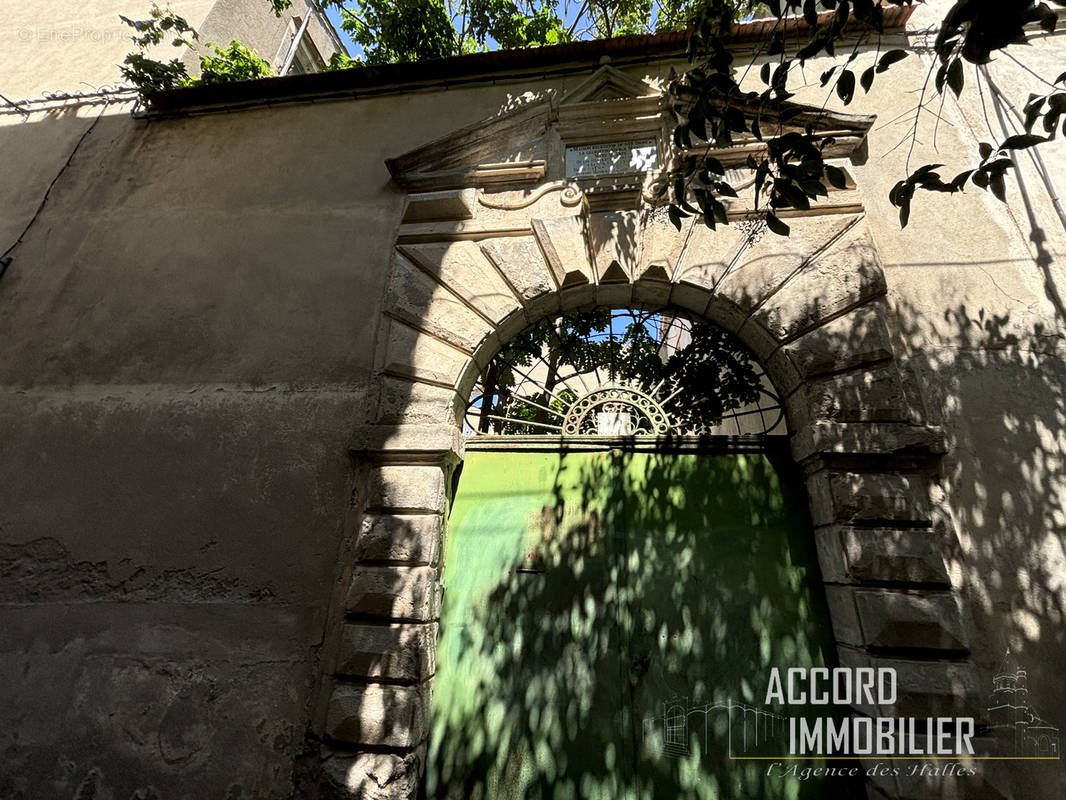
[[604, 615]]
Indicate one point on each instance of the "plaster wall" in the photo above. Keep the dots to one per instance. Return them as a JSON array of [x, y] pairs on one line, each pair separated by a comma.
[[61, 46], [58, 45], [187, 343]]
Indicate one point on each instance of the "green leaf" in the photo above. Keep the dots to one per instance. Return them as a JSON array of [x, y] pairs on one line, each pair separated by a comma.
[[985, 149]]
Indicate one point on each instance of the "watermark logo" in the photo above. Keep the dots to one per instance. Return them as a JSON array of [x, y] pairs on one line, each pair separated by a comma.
[[70, 33], [807, 715], [1017, 728]]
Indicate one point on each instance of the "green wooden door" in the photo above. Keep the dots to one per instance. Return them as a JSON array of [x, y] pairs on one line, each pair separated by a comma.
[[609, 623]]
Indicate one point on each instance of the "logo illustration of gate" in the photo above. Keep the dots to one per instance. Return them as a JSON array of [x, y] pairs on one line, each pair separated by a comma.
[[630, 556]]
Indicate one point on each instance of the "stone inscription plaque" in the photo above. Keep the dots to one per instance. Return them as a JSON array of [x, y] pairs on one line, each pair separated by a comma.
[[609, 158]]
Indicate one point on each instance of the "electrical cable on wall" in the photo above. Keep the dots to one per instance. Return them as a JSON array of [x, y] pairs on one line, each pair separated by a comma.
[[6, 257]]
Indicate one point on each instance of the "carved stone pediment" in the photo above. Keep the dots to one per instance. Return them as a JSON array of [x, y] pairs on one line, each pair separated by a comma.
[[606, 140]]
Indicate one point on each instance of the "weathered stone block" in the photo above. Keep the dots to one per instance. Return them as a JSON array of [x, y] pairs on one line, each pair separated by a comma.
[[414, 354], [520, 260], [463, 268], [783, 372], [843, 614], [845, 275], [706, 255], [850, 497], [765, 267], [394, 592], [661, 247], [393, 652], [400, 593], [411, 488], [405, 538], [404, 401], [927, 620], [864, 438], [692, 298], [614, 243], [432, 206], [651, 291], [876, 395], [563, 241], [373, 776], [417, 299], [618, 295], [860, 337], [415, 441], [934, 688], [884, 554], [831, 560], [384, 716]]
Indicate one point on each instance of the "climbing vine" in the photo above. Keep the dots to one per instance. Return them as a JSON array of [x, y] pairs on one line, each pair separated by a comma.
[[217, 65]]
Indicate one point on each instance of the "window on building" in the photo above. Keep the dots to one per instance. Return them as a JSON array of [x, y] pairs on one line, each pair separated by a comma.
[[302, 56]]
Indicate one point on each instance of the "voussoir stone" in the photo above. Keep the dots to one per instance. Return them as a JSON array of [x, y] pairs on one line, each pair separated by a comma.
[[875, 395], [845, 275], [414, 354], [417, 299], [463, 268], [520, 259], [860, 337]]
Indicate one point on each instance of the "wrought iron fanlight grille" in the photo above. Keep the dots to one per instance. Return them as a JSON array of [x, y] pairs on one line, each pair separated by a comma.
[[624, 372]]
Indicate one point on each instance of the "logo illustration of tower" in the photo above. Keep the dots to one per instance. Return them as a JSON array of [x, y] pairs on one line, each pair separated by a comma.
[[1012, 721]]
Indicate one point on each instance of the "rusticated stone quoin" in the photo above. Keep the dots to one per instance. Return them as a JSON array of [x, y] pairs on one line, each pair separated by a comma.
[[414, 488], [868, 497], [373, 776], [394, 593], [911, 620], [398, 652], [402, 539], [390, 716]]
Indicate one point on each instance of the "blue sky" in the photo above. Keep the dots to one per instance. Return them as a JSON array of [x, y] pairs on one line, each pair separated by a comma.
[[334, 15]]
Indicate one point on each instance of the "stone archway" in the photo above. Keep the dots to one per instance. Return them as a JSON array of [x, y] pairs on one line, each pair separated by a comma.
[[478, 258]]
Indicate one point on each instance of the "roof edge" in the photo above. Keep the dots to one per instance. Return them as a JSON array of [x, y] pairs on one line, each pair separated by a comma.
[[546, 61]]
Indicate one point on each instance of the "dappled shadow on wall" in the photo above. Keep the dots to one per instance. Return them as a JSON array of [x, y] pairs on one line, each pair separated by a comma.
[[611, 624]]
